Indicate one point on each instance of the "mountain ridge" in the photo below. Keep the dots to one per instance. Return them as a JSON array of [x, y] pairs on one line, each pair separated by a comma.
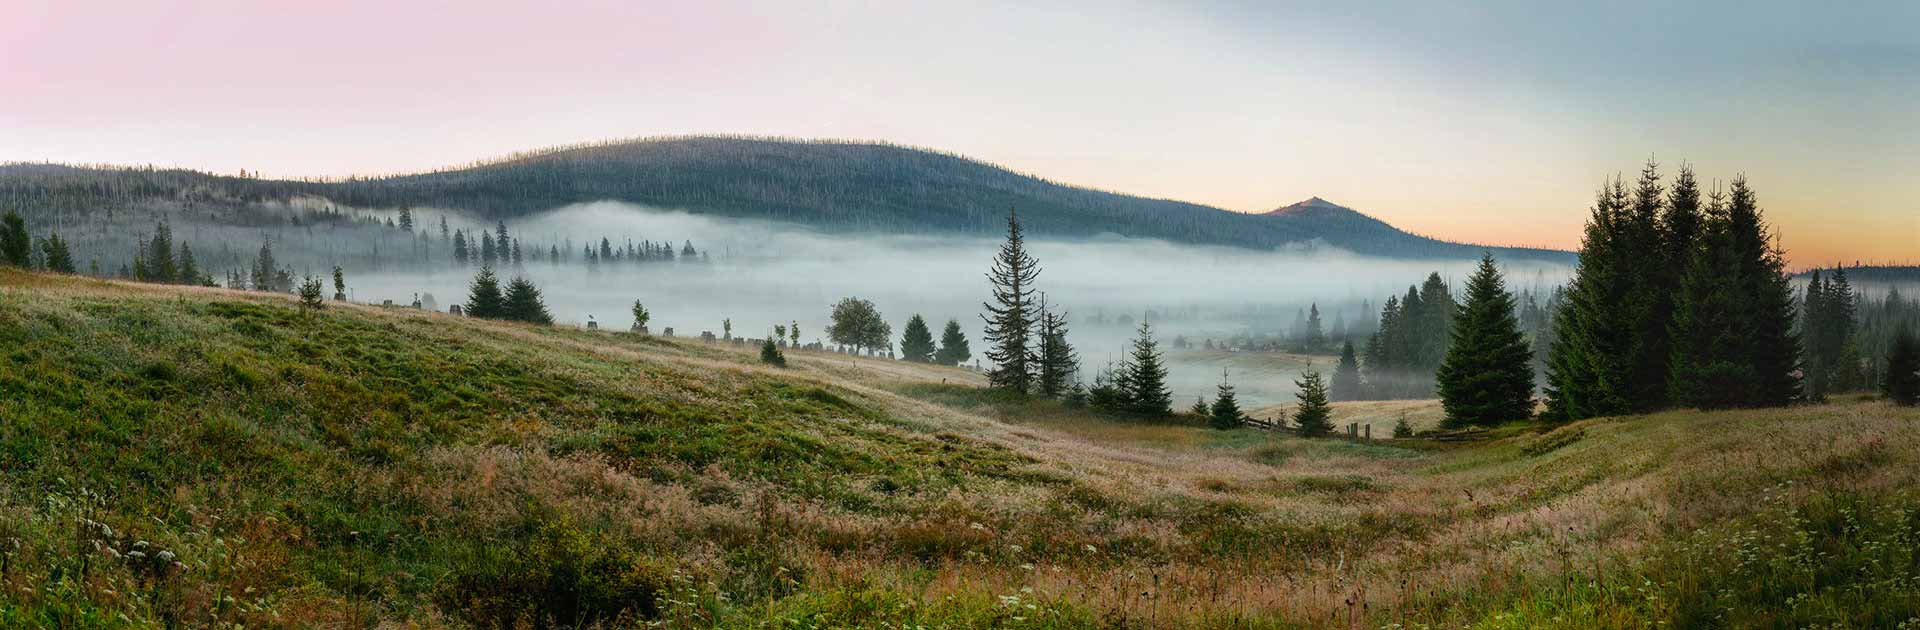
[[841, 186]]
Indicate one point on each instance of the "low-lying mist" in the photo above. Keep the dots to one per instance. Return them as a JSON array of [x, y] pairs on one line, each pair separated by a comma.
[[762, 273]]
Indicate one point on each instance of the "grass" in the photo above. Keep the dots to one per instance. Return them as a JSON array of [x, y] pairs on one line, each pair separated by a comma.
[[189, 457]]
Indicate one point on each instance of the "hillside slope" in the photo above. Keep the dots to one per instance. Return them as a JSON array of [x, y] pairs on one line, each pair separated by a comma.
[[836, 186], [205, 457]]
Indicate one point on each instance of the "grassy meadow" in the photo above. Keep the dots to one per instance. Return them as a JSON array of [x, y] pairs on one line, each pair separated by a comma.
[[177, 457]]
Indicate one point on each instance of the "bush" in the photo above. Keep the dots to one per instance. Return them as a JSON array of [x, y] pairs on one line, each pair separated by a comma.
[[770, 354], [558, 577]]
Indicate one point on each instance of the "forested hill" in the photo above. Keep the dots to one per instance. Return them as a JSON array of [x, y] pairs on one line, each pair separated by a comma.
[[836, 186]]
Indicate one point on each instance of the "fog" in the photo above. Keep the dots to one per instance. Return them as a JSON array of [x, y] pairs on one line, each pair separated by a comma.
[[761, 274]]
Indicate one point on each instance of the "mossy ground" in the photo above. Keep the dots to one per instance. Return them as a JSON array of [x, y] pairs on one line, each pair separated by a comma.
[[202, 458]]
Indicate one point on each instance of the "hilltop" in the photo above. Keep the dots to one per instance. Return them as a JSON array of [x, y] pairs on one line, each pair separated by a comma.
[[183, 456], [834, 186]]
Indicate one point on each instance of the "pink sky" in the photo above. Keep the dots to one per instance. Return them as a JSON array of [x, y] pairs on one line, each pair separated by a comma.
[[1468, 124]]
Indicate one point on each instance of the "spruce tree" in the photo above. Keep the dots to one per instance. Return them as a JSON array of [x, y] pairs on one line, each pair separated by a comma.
[[483, 296], [1009, 316], [488, 252], [460, 254], [1313, 416], [59, 258], [1648, 308], [1772, 347], [1587, 368], [1901, 385], [1316, 335], [406, 218], [189, 268], [1346, 377], [1058, 362], [16, 246], [160, 265], [916, 342], [310, 297], [1487, 377], [1225, 413], [953, 345], [1200, 409], [339, 284], [522, 303], [770, 354], [1146, 377]]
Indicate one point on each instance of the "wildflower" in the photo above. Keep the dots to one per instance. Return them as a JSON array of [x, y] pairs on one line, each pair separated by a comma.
[[164, 556]]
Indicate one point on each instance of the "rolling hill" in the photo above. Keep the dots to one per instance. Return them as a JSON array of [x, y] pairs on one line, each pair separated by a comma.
[[835, 186], [187, 457]]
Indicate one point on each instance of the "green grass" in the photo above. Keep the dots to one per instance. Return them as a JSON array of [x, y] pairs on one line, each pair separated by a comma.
[[204, 458]]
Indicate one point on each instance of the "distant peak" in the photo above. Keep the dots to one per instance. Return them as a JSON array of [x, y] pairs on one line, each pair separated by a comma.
[[1312, 203]]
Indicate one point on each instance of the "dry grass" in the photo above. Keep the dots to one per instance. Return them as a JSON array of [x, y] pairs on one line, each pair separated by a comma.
[[1091, 523]]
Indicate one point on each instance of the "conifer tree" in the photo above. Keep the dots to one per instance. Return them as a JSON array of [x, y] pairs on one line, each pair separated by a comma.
[[406, 218], [916, 342], [160, 265], [59, 259], [16, 246], [488, 252], [1058, 362], [266, 271], [770, 354], [1146, 376], [1346, 377], [484, 299], [1313, 417], [1009, 317], [1648, 307], [1734, 319], [953, 345], [1587, 369], [339, 284], [1316, 336], [1200, 409], [522, 303], [460, 254], [189, 268], [1225, 413], [1901, 385], [310, 297], [640, 316], [794, 329], [1487, 377]]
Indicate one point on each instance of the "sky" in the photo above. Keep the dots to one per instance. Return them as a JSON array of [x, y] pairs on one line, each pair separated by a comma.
[[1487, 123]]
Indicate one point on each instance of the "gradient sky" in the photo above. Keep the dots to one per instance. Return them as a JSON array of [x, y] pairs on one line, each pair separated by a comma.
[[1488, 124]]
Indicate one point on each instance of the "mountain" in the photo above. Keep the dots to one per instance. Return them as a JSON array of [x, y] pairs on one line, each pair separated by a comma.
[[831, 185]]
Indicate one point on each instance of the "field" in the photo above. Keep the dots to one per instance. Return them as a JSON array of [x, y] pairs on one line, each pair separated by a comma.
[[201, 457]]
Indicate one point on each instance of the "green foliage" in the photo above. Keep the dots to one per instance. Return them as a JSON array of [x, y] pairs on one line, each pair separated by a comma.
[[855, 322], [558, 574], [1058, 363], [1736, 313], [16, 246], [484, 299], [640, 315], [1402, 429], [1346, 376], [1312, 416], [523, 304], [54, 250], [1902, 381], [770, 354], [1487, 377], [916, 344], [1225, 412], [1145, 377], [953, 346], [1010, 317], [310, 297]]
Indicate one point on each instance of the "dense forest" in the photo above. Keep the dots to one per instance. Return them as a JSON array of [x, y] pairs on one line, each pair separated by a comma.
[[838, 186]]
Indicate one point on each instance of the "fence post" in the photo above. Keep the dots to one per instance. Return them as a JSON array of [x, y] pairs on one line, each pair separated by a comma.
[[1369, 431]]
